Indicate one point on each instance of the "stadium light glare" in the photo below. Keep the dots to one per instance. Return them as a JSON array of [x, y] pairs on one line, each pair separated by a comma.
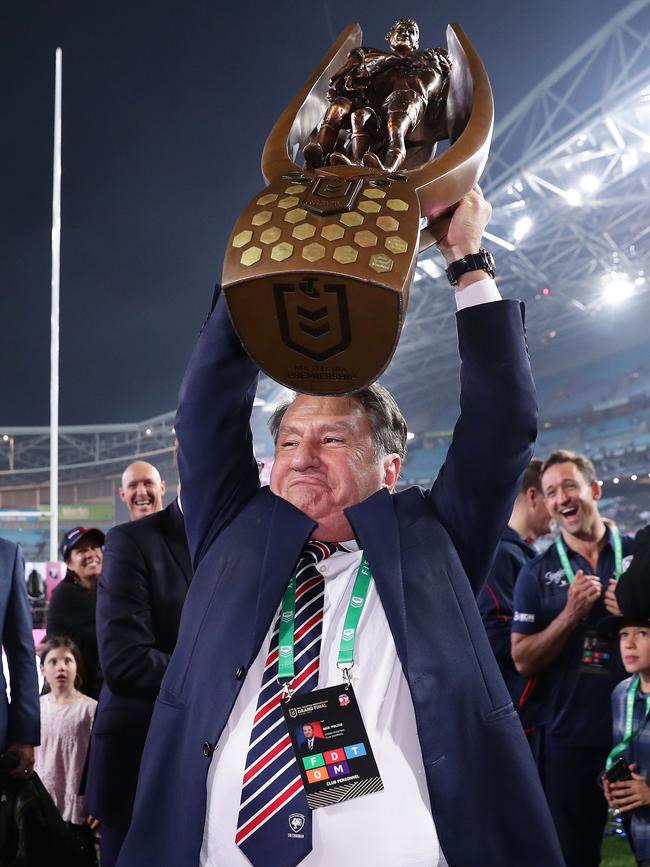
[[410, 435], [573, 197], [600, 483], [634, 477], [522, 228], [5, 438], [616, 480], [589, 183], [617, 287], [148, 431], [430, 268]]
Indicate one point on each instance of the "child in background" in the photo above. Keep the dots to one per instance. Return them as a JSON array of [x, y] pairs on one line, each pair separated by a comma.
[[630, 710], [66, 720]]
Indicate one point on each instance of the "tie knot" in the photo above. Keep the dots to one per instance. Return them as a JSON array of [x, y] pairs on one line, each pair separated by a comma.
[[319, 551]]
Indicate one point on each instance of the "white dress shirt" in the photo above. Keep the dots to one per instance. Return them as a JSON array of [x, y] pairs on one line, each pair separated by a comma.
[[392, 828]]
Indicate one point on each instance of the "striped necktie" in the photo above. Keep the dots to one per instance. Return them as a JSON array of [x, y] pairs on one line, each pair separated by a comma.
[[274, 824]]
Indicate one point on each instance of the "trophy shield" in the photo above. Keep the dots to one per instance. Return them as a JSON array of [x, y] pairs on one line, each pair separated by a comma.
[[319, 264]]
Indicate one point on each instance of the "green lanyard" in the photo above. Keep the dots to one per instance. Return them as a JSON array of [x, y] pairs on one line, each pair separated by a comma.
[[568, 569], [628, 735], [346, 649]]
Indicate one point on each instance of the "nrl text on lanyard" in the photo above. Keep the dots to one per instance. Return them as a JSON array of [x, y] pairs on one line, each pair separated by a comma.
[[346, 648], [568, 569]]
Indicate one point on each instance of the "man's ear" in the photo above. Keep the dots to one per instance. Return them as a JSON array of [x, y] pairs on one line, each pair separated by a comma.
[[163, 487], [532, 495], [392, 466], [123, 495], [596, 491]]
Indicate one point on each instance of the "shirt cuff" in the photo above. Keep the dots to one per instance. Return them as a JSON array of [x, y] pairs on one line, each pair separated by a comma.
[[480, 292]]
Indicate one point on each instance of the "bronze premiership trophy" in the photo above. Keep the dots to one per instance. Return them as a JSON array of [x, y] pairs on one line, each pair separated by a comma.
[[318, 267]]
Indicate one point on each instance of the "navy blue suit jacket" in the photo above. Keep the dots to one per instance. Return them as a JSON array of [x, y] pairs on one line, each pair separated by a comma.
[[145, 577], [20, 720], [429, 551]]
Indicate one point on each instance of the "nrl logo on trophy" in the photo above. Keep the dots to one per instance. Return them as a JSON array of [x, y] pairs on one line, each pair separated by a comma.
[[319, 264]]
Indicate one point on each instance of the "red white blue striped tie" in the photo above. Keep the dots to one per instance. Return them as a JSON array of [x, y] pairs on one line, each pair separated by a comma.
[[274, 824]]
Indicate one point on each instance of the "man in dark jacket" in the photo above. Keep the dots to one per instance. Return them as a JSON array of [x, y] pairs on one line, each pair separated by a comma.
[[145, 578], [529, 520], [20, 717]]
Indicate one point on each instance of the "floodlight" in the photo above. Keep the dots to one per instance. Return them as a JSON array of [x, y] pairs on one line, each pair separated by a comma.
[[410, 435], [573, 197], [522, 228], [617, 287], [589, 183], [430, 268], [616, 480]]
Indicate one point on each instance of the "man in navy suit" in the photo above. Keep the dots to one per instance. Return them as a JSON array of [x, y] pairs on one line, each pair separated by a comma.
[[460, 786], [20, 720], [144, 581]]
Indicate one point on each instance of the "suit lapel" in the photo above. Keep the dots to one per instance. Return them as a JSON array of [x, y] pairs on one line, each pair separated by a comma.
[[289, 529], [375, 524], [176, 540]]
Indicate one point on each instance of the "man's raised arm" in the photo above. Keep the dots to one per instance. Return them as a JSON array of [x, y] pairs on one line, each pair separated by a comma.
[[215, 446], [494, 436]]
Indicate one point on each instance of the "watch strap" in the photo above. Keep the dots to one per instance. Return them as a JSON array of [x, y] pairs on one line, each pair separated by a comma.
[[481, 261]]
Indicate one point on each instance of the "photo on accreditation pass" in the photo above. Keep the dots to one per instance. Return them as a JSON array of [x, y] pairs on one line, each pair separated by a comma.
[[331, 746]]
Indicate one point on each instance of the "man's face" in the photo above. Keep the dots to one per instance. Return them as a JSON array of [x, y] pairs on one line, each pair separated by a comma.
[[325, 459], [308, 732], [635, 647], [142, 490], [85, 560], [570, 500], [404, 36]]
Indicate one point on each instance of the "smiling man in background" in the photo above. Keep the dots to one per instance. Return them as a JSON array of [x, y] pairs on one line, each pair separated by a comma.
[[560, 597], [142, 490]]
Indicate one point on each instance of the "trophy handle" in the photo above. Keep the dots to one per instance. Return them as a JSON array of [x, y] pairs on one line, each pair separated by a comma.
[[304, 112], [470, 117]]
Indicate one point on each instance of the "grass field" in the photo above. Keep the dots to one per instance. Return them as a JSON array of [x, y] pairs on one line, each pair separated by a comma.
[[617, 853]]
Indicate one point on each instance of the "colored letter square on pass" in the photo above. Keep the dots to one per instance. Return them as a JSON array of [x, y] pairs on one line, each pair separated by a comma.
[[334, 756], [315, 761], [340, 769], [355, 751], [317, 775]]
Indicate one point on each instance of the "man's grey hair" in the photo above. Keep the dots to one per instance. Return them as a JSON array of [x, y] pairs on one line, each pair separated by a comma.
[[386, 420]]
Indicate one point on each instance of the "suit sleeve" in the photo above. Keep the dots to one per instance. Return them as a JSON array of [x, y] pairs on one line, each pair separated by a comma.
[[633, 587], [24, 710], [216, 463], [494, 435], [130, 662]]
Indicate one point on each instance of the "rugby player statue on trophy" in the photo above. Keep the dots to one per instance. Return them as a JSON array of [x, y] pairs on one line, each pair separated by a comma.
[[319, 265]]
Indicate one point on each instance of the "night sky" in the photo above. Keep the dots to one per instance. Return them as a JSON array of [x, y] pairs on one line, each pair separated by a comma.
[[166, 108]]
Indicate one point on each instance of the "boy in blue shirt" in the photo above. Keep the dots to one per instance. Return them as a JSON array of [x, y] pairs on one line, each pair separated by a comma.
[[630, 711]]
